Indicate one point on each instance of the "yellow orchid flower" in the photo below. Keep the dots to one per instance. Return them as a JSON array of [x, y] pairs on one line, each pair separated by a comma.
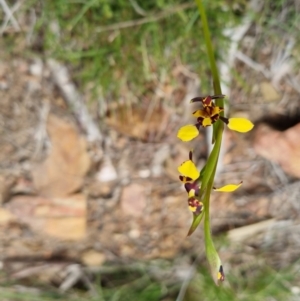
[[190, 178], [208, 116]]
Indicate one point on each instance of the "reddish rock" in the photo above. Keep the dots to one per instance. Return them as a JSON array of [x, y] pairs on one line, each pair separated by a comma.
[[93, 258], [5, 216], [64, 169], [282, 148], [133, 200], [64, 218]]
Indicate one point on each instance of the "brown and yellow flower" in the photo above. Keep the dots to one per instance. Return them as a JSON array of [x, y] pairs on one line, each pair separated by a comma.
[[208, 116], [190, 177]]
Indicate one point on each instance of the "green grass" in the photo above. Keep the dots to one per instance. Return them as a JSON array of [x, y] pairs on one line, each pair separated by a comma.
[[134, 58], [253, 284]]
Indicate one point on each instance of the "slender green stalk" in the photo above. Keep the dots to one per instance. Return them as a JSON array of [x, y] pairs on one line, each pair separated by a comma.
[[210, 51], [212, 162], [218, 128]]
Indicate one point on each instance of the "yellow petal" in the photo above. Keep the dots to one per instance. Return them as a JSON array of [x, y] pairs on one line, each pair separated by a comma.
[[206, 122], [192, 208], [188, 132], [228, 188], [242, 125], [216, 110], [189, 169], [200, 113], [191, 193]]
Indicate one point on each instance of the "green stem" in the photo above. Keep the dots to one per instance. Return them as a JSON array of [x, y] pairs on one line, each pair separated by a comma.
[[210, 51], [218, 126], [212, 162]]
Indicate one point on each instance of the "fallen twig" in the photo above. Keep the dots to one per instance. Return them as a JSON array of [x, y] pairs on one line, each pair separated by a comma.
[[9, 15], [75, 101]]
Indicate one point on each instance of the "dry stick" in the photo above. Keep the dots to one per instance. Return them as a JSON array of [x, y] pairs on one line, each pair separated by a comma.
[[33, 20], [9, 16], [74, 99], [149, 19], [251, 63]]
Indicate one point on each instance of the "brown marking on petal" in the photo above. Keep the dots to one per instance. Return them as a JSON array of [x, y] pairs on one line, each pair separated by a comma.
[[185, 179], [207, 101], [201, 98], [197, 125], [199, 207], [188, 187], [214, 118], [200, 113], [198, 98], [195, 205], [221, 275], [224, 119], [200, 120], [191, 155]]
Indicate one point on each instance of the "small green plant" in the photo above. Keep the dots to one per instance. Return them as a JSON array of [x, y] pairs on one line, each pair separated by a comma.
[[199, 184]]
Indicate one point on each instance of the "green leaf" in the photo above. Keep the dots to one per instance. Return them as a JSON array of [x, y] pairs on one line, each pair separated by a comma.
[[202, 172], [196, 221]]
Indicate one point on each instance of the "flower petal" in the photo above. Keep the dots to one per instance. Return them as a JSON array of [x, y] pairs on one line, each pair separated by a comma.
[[200, 113], [184, 179], [206, 122], [229, 187], [188, 132], [195, 206], [216, 110], [242, 125], [189, 169]]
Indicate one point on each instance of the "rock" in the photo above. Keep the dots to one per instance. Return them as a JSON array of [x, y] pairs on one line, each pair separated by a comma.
[[97, 189], [5, 216], [64, 169], [36, 68], [282, 148], [133, 200], [22, 186], [6, 184], [93, 258], [64, 218], [107, 172], [69, 228]]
